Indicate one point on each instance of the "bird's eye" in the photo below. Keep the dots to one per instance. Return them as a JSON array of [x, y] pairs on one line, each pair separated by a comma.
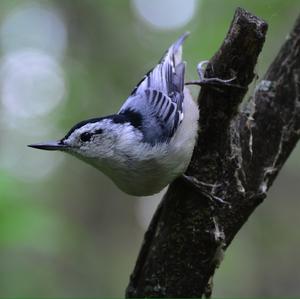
[[86, 136]]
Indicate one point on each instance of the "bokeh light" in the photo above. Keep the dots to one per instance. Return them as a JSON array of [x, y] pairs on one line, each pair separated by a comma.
[[34, 26], [166, 14], [33, 38], [33, 84]]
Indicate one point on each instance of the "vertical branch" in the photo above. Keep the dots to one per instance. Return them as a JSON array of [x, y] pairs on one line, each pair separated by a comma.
[[185, 238]]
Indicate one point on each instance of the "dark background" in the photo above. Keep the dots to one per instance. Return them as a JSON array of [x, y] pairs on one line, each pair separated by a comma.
[[65, 229]]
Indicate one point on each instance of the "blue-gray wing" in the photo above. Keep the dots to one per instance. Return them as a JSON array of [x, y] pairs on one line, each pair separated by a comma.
[[159, 114], [158, 98]]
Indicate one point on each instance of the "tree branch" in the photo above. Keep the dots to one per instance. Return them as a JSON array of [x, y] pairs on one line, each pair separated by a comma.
[[237, 157]]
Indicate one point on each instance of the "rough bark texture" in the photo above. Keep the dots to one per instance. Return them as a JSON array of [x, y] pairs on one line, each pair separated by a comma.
[[237, 157]]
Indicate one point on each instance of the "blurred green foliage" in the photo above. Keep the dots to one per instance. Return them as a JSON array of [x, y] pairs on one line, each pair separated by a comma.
[[70, 232]]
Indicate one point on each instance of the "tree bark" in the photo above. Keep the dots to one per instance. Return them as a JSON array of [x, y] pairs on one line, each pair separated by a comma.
[[237, 157]]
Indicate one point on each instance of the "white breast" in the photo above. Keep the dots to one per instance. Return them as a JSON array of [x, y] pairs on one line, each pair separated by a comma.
[[154, 167]]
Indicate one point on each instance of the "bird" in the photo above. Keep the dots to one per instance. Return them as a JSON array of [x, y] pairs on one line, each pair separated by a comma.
[[150, 141]]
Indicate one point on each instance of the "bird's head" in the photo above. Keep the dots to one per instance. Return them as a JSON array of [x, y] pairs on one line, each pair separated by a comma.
[[94, 140]]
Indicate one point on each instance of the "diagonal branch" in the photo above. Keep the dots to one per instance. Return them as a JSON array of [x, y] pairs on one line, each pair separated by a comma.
[[237, 157], [270, 126]]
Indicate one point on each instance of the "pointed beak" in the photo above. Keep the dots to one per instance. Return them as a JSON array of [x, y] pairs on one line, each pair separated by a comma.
[[49, 146]]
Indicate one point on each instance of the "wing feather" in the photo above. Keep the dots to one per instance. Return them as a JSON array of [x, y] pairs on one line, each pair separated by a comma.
[[158, 97]]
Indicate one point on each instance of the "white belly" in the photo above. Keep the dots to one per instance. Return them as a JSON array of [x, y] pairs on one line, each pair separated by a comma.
[[150, 176]]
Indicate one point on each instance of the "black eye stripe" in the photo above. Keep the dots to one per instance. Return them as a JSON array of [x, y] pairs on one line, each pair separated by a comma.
[[99, 131], [86, 136]]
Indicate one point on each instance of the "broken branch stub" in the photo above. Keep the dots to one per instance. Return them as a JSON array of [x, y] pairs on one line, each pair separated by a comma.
[[237, 58]]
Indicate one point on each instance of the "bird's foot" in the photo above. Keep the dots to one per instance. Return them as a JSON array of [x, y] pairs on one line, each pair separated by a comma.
[[213, 82], [200, 188]]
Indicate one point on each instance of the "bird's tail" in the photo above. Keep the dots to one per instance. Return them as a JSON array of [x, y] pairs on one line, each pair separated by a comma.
[[174, 52], [168, 75]]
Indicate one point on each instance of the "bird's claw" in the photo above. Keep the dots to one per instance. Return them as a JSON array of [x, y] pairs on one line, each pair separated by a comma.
[[201, 70], [210, 81]]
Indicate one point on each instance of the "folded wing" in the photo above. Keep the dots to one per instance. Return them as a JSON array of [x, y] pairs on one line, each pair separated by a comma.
[[158, 97]]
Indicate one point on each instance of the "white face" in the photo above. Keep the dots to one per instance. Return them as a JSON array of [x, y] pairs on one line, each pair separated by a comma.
[[99, 140], [92, 140]]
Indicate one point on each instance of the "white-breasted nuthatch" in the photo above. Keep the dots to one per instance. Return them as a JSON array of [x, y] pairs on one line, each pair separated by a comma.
[[150, 141]]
